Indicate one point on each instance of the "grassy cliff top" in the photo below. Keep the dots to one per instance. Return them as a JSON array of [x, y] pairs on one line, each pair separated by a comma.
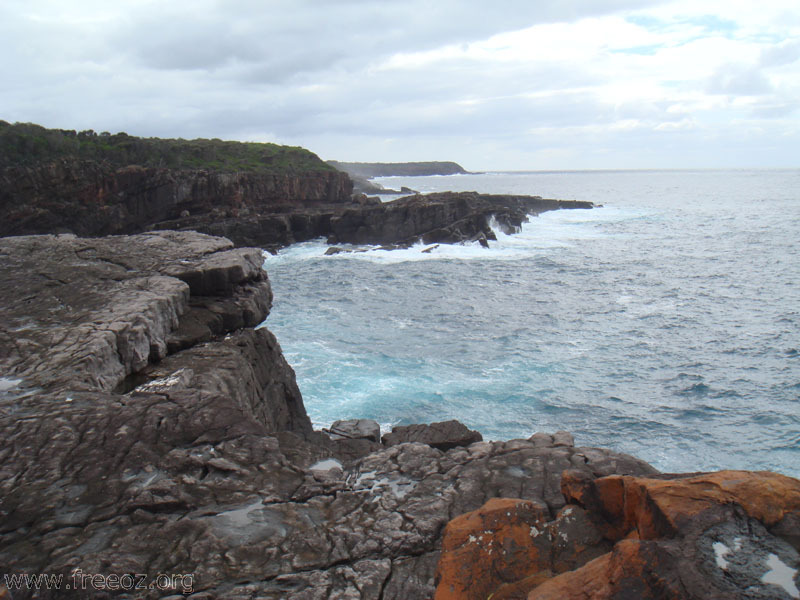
[[27, 144]]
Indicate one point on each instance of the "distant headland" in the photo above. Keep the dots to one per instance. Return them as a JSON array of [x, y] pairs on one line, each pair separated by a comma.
[[255, 194], [369, 170]]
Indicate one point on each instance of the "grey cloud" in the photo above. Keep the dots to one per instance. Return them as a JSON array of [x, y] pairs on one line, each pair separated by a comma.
[[313, 73], [781, 54], [282, 38], [744, 80], [775, 110]]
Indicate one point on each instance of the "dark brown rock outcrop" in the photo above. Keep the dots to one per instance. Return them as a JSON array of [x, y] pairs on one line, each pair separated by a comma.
[[267, 210], [444, 435], [92, 198], [445, 217]]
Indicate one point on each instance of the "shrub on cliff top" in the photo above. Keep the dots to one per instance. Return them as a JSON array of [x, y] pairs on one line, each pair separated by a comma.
[[27, 144]]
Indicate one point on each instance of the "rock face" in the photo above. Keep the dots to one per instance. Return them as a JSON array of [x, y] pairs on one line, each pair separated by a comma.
[[148, 429], [434, 218], [444, 436], [445, 217], [729, 534], [267, 210], [93, 198]]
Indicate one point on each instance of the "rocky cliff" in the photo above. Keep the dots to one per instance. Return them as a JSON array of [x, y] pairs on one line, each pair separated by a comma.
[[446, 217], [268, 210], [265, 195], [148, 429], [93, 198]]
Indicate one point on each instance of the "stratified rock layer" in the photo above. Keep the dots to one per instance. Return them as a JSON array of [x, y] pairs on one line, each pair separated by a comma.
[[93, 198], [267, 210]]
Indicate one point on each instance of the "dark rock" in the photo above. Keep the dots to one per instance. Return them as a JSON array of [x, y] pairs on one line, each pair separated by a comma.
[[134, 442], [355, 429], [436, 218], [94, 198], [270, 211], [443, 435]]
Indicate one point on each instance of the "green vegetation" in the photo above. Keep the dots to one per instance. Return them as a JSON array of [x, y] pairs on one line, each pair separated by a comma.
[[27, 144]]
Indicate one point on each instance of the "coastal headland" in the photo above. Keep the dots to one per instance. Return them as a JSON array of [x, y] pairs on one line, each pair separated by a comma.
[[254, 194], [152, 429]]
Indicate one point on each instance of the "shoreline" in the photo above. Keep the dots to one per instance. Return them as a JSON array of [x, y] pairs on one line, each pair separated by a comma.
[[210, 466]]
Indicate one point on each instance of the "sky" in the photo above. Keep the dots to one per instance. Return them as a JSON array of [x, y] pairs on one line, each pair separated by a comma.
[[493, 85]]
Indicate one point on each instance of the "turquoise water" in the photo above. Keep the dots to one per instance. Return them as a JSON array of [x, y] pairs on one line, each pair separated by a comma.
[[665, 324]]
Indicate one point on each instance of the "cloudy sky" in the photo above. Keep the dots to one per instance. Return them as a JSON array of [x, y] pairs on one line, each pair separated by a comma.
[[503, 84]]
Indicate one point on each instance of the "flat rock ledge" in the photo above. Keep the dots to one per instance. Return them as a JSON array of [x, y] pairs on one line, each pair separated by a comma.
[[150, 429]]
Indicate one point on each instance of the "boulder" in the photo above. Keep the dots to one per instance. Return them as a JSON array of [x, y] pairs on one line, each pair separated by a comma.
[[355, 429], [443, 435]]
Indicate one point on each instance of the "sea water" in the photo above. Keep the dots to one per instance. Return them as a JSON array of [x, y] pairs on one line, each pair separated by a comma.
[[664, 324]]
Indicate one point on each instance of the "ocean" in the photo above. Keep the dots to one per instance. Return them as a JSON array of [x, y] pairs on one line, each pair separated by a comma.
[[664, 324]]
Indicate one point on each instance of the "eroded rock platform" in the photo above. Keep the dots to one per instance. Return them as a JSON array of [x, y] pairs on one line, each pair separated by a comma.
[[148, 427]]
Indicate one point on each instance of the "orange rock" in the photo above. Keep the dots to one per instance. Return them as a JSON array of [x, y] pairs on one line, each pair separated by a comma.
[[653, 508], [489, 547], [712, 535], [509, 548], [634, 569]]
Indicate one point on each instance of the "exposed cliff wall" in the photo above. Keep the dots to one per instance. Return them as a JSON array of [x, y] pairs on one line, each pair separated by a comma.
[[445, 217], [93, 198]]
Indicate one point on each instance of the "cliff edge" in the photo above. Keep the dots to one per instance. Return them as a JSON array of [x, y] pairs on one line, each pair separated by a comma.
[[150, 429]]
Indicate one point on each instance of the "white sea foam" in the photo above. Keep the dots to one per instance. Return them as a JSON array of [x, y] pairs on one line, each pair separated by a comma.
[[582, 321], [552, 229]]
